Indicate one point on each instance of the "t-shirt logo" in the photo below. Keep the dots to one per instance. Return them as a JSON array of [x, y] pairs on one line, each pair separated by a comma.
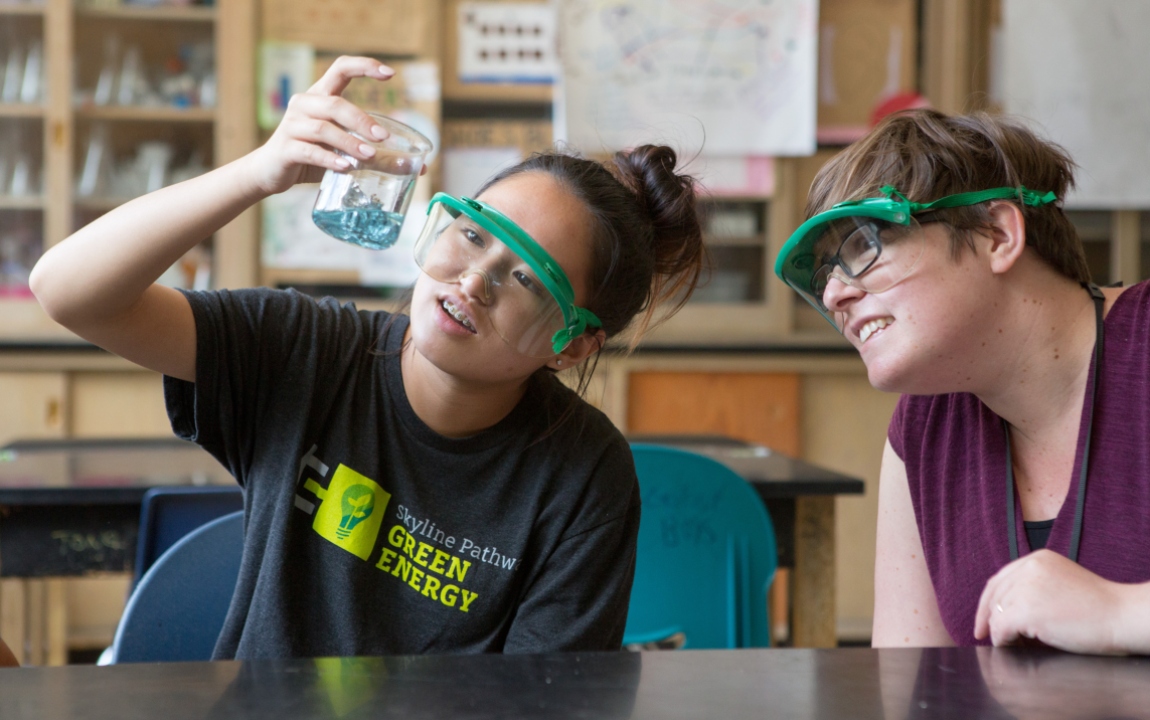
[[351, 511]]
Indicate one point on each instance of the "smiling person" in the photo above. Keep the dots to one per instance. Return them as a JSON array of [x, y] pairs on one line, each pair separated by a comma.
[[412, 483], [1014, 500]]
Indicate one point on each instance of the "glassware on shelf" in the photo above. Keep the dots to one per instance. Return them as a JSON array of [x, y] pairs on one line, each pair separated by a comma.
[[13, 73], [19, 170], [22, 182], [123, 78], [145, 172], [193, 168], [153, 159], [5, 161], [152, 166], [130, 84], [20, 243], [106, 82], [185, 78], [33, 77], [188, 78], [21, 69], [93, 179], [734, 277]]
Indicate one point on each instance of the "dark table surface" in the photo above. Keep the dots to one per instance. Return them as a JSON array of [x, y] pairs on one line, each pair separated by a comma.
[[773, 474], [70, 507], [85, 472], [60, 472], [73, 507], [726, 684]]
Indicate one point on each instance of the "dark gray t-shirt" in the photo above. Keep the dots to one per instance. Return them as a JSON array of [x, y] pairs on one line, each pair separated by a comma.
[[368, 533]]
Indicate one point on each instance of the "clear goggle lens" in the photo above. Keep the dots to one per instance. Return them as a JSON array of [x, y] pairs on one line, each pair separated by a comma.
[[865, 253], [515, 303]]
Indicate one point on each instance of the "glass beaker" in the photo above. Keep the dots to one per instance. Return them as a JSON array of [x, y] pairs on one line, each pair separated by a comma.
[[364, 205]]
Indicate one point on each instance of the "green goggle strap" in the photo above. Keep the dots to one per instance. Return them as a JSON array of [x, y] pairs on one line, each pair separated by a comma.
[[896, 208], [575, 319], [1020, 193]]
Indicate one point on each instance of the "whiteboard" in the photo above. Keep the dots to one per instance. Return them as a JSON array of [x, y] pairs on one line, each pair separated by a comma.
[[1081, 70], [727, 77]]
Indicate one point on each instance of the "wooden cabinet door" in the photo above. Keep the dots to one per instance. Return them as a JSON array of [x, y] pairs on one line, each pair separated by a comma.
[[32, 405], [118, 404], [757, 407]]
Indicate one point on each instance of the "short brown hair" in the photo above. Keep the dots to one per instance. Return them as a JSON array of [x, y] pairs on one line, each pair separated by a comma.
[[927, 154]]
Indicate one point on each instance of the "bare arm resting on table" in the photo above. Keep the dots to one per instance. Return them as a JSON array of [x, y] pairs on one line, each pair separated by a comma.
[[905, 607], [1043, 595], [100, 282]]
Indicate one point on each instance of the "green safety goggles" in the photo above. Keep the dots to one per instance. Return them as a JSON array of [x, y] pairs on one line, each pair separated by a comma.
[[873, 243], [528, 298]]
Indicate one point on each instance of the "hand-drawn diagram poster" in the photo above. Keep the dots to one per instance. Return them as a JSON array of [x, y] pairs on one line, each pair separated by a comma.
[[727, 77]]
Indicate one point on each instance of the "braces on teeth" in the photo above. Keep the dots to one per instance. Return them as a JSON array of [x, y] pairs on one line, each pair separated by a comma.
[[457, 314]]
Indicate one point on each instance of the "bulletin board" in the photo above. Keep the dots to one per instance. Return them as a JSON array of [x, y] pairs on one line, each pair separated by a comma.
[[735, 77], [1080, 69]]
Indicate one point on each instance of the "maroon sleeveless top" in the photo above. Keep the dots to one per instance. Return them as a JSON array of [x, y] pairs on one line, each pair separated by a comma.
[[955, 455]]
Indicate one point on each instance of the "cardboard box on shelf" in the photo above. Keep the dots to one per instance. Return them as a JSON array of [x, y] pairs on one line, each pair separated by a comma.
[[866, 56], [395, 27], [527, 135], [474, 150]]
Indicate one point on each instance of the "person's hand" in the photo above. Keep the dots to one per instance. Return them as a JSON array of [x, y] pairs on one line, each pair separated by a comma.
[[1045, 596], [316, 123]]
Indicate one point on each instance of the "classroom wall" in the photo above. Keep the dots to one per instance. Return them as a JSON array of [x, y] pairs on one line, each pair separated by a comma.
[[841, 421]]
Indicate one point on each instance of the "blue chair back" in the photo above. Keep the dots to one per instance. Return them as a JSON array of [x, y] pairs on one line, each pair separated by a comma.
[[706, 555], [169, 513], [177, 611]]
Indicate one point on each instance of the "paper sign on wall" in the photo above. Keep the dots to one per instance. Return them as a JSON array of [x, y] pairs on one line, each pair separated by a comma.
[[507, 42], [730, 78]]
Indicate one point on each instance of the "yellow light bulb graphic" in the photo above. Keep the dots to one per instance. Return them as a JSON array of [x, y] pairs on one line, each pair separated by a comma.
[[351, 511], [357, 504]]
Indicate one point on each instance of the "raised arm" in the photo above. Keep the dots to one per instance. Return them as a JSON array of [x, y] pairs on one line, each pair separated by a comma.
[[905, 607], [100, 283]]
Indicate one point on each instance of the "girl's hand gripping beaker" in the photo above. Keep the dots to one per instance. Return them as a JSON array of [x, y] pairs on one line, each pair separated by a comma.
[[364, 205]]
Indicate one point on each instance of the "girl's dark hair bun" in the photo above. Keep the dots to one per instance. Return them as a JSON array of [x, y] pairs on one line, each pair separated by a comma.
[[669, 199], [647, 240]]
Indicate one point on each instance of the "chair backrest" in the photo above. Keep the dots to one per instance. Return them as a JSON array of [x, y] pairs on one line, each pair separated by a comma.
[[706, 555], [169, 513], [178, 609]]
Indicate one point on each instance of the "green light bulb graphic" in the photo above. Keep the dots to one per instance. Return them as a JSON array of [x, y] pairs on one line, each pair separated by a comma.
[[356, 505]]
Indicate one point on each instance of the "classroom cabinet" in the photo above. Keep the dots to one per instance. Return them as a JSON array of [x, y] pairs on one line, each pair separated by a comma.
[[35, 405], [101, 102], [92, 403]]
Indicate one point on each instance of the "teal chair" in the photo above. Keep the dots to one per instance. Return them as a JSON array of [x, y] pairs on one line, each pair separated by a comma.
[[706, 555]]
